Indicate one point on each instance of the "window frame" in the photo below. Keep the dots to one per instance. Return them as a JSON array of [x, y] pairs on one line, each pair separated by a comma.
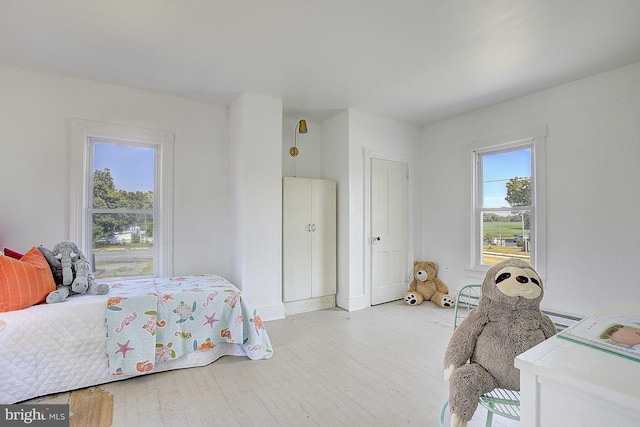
[[536, 140], [82, 133]]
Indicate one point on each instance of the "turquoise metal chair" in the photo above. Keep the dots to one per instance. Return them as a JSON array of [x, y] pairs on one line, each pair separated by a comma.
[[505, 403]]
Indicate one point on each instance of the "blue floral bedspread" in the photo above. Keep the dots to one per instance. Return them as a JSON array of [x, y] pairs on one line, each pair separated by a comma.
[[158, 319]]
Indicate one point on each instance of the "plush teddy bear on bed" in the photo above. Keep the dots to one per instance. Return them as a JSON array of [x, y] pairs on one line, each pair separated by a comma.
[[71, 272], [507, 322], [426, 286]]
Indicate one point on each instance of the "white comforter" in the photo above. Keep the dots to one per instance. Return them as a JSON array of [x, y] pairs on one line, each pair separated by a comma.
[[51, 348]]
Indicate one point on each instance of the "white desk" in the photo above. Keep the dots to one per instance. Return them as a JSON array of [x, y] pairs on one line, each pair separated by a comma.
[[567, 384]]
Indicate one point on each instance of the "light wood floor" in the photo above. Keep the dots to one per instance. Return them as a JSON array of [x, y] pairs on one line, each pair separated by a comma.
[[381, 366]]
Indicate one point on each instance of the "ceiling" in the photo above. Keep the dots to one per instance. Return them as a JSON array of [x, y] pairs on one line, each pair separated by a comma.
[[416, 61]]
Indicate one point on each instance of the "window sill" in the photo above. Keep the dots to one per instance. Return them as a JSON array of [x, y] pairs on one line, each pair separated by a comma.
[[476, 272]]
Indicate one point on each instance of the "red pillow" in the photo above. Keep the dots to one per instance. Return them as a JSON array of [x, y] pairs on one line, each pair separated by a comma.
[[24, 282], [12, 254]]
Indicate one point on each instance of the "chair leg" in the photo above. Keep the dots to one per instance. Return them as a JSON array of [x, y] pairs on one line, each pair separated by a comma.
[[489, 418], [442, 411]]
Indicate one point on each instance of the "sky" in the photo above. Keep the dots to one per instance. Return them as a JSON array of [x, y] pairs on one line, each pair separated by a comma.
[[498, 169], [131, 167]]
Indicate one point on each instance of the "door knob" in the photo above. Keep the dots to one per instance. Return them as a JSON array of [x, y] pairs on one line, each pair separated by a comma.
[[376, 239]]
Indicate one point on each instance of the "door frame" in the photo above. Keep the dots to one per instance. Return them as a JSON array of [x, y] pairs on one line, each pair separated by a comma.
[[369, 155]]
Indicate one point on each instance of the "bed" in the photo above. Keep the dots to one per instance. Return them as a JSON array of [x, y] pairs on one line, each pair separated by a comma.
[[142, 326]]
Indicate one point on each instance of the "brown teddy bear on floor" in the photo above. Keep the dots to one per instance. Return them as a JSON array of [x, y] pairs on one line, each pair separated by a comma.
[[426, 286]]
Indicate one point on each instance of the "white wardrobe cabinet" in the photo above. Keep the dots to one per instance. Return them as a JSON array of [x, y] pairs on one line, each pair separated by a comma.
[[309, 244]]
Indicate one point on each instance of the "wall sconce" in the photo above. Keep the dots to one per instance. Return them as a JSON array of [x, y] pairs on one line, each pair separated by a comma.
[[301, 127]]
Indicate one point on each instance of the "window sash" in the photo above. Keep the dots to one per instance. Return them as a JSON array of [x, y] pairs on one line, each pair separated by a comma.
[[480, 255], [478, 239], [90, 188]]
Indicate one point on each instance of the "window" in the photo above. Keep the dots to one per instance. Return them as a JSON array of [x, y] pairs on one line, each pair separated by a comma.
[[121, 210], [121, 205], [508, 201]]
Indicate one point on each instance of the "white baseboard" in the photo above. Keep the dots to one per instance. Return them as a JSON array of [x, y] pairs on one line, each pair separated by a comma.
[[272, 312], [353, 304], [312, 304]]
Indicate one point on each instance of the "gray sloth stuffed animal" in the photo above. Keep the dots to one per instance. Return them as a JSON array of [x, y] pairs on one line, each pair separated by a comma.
[[71, 272], [507, 322]]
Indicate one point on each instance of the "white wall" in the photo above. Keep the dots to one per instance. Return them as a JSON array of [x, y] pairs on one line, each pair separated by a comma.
[[593, 145], [34, 162], [256, 139], [335, 133], [592, 154]]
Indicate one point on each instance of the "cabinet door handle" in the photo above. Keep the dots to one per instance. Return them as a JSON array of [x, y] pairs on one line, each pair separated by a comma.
[[313, 227], [308, 227]]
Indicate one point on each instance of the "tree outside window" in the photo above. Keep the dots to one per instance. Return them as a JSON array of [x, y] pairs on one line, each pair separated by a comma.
[[519, 194]]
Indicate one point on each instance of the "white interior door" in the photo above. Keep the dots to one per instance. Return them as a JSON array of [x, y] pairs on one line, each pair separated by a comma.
[[389, 230]]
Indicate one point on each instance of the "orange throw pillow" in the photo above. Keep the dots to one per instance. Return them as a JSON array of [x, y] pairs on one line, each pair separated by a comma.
[[24, 282]]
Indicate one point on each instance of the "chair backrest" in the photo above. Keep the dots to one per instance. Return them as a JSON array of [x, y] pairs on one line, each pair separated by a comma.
[[466, 301]]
